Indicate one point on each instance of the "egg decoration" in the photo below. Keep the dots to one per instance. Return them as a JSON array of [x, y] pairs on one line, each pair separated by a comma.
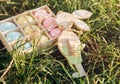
[[31, 28], [28, 29], [43, 39], [29, 18], [5, 26], [70, 47], [67, 20], [49, 23], [23, 20], [44, 42], [28, 23], [68, 42], [35, 37], [27, 46], [51, 28], [59, 30], [55, 32], [41, 13], [23, 46], [11, 36], [40, 41]]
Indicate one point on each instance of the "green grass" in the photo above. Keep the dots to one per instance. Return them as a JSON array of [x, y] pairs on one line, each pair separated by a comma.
[[101, 56]]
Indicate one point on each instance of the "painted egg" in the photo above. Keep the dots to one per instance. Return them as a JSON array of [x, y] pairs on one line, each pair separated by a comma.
[[11, 36], [38, 39], [35, 40], [29, 18], [35, 37], [23, 46], [26, 46], [22, 20], [52, 27], [29, 29], [7, 26], [49, 23], [35, 28], [43, 39], [55, 32], [40, 13]]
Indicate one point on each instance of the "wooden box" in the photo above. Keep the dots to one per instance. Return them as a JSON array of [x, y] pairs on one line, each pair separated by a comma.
[[29, 19]]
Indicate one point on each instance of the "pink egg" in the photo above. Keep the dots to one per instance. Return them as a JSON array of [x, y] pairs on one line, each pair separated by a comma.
[[51, 28], [55, 32], [40, 14], [49, 23]]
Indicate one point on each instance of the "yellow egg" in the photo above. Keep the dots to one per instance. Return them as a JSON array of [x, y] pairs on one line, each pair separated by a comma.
[[22, 20], [35, 28], [40, 41], [29, 29], [29, 18], [43, 39]]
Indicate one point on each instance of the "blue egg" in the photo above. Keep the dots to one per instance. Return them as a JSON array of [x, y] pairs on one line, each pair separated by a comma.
[[23, 46], [7, 26], [26, 46], [11, 36]]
